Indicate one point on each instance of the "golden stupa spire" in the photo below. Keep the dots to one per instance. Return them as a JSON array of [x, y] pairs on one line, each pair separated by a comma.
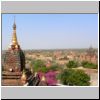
[[14, 37]]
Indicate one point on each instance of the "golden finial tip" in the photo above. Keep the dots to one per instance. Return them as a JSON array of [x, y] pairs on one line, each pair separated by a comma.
[[14, 25]]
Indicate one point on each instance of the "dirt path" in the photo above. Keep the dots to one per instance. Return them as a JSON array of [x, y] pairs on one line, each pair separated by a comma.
[[94, 79]]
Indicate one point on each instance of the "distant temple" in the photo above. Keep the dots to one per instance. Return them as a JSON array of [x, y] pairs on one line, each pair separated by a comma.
[[14, 72], [90, 56]]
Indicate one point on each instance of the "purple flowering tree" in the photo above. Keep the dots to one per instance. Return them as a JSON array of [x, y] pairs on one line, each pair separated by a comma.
[[51, 78]]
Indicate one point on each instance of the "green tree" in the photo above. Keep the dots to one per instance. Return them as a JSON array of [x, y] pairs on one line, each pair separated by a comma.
[[53, 67], [43, 69], [87, 64], [72, 64], [37, 65], [74, 77]]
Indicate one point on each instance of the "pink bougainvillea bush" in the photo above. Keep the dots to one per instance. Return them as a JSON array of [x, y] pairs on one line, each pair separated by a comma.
[[51, 78]]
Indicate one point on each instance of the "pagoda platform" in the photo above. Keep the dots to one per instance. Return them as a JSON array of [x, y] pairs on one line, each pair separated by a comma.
[[11, 79]]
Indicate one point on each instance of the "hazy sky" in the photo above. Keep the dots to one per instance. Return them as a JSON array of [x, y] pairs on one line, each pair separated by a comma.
[[51, 31]]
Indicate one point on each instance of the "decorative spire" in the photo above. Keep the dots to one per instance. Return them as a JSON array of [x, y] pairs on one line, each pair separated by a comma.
[[91, 47], [14, 25], [14, 37]]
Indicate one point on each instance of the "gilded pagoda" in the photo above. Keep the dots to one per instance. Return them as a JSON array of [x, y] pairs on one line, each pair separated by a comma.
[[14, 72], [13, 62]]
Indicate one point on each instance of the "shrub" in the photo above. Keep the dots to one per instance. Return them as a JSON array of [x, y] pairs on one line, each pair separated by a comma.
[[51, 78], [74, 77], [53, 67], [72, 64], [43, 69], [87, 64], [38, 65]]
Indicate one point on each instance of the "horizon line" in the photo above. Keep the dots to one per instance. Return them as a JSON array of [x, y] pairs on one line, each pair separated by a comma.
[[57, 48]]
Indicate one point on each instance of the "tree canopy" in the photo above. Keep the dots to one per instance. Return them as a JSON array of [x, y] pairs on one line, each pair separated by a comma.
[[72, 64], [87, 64], [74, 77]]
